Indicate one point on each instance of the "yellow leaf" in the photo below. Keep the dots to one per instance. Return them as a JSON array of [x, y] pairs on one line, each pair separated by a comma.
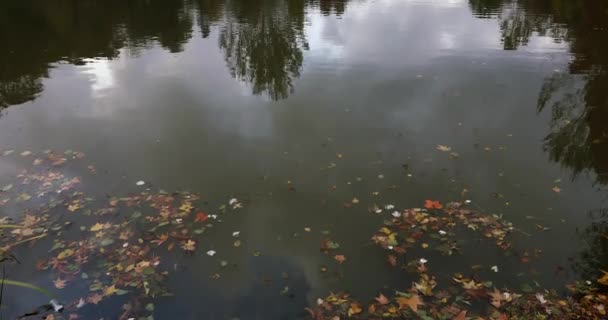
[[97, 227], [109, 290], [443, 148], [65, 254]]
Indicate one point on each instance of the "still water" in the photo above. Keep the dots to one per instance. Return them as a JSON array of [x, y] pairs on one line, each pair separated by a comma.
[[296, 107]]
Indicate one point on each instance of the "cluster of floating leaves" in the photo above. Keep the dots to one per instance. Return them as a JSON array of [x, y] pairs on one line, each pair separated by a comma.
[[439, 224], [113, 258], [461, 298]]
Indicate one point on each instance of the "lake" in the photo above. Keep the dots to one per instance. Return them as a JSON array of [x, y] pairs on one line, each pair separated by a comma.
[[299, 124]]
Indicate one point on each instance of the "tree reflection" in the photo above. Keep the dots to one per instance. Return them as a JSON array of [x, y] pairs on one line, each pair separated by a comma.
[[594, 256], [262, 43], [577, 100], [519, 20], [262, 40], [35, 34]]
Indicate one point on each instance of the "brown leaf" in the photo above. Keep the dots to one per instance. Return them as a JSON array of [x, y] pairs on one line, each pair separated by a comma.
[[392, 260], [94, 298], [412, 302]]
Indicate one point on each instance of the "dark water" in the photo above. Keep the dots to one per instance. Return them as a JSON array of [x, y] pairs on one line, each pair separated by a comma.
[[254, 99]]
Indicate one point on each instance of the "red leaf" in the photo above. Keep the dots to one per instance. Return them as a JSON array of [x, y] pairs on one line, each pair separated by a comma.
[[201, 217]]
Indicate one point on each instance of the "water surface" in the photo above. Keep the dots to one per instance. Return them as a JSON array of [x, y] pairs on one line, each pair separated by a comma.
[[299, 106]]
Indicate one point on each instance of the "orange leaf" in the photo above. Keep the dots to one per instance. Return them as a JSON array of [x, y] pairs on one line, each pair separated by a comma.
[[201, 217], [432, 204], [340, 258], [355, 308], [412, 302], [59, 283]]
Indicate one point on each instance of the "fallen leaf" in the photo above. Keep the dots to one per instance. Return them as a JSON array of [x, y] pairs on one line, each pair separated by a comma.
[[496, 297], [340, 258], [412, 302], [382, 299], [94, 298], [201, 217], [556, 189], [97, 227], [65, 254], [355, 308], [432, 204], [109, 290], [443, 148], [604, 279], [189, 245], [59, 283]]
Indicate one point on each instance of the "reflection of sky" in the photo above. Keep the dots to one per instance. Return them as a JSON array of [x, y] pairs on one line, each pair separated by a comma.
[[408, 72]]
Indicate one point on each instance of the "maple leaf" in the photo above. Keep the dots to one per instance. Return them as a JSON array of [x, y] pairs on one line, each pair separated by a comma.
[[94, 298], [340, 258], [382, 299], [189, 245], [412, 302], [432, 204], [59, 283], [186, 207], [201, 217], [444, 148]]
